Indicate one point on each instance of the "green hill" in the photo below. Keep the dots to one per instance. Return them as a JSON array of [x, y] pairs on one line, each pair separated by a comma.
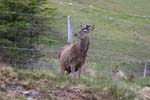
[[122, 28], [121, 38]]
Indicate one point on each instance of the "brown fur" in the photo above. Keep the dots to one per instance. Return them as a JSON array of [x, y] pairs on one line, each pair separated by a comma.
[[73, 56]]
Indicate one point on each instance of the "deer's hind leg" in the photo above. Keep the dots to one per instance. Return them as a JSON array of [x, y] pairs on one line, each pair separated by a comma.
[[72, 67]]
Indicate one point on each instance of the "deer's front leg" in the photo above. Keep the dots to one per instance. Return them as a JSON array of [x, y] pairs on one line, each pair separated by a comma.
[[79, 73], [72, 70], [62, 70]]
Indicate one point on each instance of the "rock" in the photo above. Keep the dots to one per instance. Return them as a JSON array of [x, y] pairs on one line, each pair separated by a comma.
[[70, 4], [111, 18], [34, 93], [91, 6], [26, 92], [29, 98], [144, 94]]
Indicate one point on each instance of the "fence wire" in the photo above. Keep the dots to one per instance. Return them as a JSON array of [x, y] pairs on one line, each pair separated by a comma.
[[101, 54]]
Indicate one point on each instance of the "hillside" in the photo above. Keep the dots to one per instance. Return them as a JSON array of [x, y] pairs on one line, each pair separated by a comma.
[[122, 29], [121, 39], [19, 84]]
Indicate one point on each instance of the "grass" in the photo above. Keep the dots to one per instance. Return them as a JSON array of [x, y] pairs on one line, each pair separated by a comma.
[[122, 31], [117, 26], [48, 81], [121, 37]]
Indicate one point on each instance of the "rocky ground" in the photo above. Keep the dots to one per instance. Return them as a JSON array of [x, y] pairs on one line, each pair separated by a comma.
[[76, 93], [16, 84], [14, 88]]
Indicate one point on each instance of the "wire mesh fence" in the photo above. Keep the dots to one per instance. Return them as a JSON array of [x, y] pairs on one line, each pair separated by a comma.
[[26, 48], [19, 38]]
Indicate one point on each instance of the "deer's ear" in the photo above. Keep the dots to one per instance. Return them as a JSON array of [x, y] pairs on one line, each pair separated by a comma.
[[82, 26], [92, 27]]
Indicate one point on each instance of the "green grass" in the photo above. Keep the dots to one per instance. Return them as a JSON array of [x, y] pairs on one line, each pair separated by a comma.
[[121, 37], [119, 30], [122, 29], [49, 81]]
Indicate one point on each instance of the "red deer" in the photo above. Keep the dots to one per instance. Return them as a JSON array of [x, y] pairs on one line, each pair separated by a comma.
[[73, 56]]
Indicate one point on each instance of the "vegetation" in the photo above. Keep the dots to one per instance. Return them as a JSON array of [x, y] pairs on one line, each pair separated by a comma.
[[46, 84], [21, 22], [121, 27], [121, 37]]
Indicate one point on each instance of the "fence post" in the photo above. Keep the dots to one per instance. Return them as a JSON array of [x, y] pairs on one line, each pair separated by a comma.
[[70, 34], [145, 69]]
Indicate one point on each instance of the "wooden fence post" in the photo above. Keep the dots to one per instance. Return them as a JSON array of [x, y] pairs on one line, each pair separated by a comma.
[[145, 70], [70, 34]]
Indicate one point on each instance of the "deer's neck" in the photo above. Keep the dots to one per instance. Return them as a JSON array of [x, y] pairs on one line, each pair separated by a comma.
[[84, 46]]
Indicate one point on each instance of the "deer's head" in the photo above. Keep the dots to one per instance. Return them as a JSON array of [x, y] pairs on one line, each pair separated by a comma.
[[84, 31]]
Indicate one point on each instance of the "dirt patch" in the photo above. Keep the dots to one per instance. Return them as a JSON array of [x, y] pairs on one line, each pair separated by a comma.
[[16, 90], [11, 87], [79, 94]]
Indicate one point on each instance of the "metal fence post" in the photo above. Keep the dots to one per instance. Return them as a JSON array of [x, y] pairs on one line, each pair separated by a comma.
[[70, 34], [145, 69]]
